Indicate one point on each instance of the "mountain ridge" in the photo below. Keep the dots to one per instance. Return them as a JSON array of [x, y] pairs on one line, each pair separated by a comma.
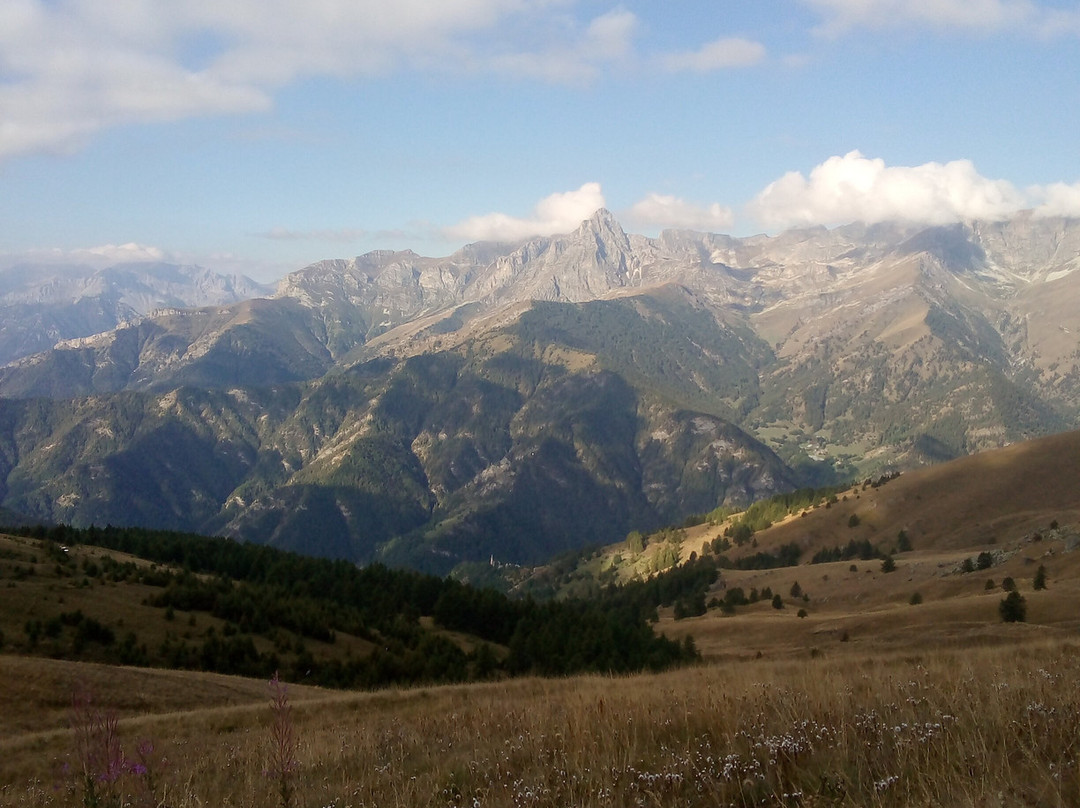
[[42, 305], [429, 411]]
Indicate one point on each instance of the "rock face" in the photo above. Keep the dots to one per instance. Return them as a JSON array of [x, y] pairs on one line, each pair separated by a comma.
[[516, 400]]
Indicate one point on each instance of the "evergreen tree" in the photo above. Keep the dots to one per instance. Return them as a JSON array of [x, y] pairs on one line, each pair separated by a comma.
[[1040, 578], [903, 543], [1013, 608]]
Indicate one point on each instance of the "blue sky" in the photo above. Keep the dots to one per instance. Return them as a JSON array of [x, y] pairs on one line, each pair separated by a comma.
[[262, 135]]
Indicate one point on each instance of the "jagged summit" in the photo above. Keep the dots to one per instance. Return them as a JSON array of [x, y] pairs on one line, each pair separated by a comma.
[[602, 219]]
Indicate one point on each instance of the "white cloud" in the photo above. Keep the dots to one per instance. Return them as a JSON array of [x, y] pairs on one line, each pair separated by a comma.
[[122, 253], [717, 55], [1058, 199], [103, 255], [660, 211], [611, 35], [974, 15], [558, 213], [70, 69], [572, 55], [854, 187]]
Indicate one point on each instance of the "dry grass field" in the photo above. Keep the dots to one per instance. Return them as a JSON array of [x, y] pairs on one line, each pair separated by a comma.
[[979, 726], [869, 699]]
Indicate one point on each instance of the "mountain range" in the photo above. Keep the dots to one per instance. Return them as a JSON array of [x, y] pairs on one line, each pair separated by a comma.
[[512, 401], [44, 304]]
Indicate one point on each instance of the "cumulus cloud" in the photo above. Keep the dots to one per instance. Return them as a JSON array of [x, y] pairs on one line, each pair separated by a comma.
[[558, 213], [1058, 199], [68, 70], [854, 187], [663, 211], [717, 55], [976, 15]]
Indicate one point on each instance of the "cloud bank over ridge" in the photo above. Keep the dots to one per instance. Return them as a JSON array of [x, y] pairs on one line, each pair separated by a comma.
[[858, 188], [840, 190]]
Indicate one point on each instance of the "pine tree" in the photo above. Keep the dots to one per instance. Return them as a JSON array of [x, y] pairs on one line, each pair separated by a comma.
[[1040, 578], [1013, 608]]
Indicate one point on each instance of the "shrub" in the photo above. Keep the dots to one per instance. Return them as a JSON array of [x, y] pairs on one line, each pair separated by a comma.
[[802, 613], [1013, 608], [853, 520], [915, 599], [967, 566], [989, 584], [1008, 584], [985, 560]]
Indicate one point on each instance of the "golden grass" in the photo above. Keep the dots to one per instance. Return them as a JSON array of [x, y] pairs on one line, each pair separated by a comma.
[[981, 727]]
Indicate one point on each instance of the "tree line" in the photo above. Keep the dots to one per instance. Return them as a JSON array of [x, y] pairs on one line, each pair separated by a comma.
[[260, 591]]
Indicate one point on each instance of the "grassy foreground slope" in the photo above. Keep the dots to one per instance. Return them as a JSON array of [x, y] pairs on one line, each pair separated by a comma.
[[990, 726]]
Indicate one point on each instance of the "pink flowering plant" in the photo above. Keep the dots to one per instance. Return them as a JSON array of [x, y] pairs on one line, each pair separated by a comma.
[[106, 775]]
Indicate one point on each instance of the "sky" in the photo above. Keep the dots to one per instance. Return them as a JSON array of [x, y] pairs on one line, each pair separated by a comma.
[[259, 136]]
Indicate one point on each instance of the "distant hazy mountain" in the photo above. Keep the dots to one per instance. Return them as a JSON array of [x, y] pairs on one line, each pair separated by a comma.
[[42, 304], [514, 400]]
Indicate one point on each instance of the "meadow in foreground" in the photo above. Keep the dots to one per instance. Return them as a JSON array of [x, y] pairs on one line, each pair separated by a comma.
[[976, 727]]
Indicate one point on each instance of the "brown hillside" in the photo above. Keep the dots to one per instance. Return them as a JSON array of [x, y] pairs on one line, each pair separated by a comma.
[[990, 498], [1020, 506]]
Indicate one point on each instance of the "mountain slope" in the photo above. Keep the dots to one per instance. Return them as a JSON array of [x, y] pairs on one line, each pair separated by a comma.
[[426, 461], [516, 400]]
